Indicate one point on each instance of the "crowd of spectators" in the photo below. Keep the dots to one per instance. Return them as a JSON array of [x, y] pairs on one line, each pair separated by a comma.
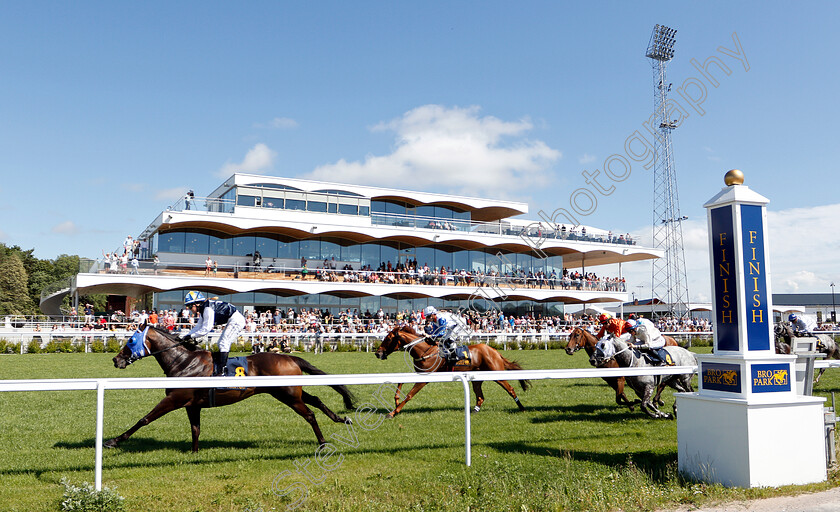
[[412, 273]]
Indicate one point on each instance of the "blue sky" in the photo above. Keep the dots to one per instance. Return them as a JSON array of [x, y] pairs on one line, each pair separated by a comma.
[[111, 110]]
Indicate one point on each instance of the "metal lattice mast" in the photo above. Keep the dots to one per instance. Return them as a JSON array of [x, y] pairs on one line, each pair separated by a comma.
[[669, 282]]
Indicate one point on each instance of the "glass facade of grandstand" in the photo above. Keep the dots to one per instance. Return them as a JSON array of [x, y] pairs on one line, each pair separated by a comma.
[[292, 224]]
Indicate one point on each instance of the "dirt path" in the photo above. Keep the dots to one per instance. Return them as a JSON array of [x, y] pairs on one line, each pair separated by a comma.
[[826, 501]]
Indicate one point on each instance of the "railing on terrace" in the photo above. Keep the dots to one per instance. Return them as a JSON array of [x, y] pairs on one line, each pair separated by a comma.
[[495, 228], [501, 227], [247, 270]]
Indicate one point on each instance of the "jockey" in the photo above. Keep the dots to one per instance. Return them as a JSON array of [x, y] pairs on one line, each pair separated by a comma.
[[615, 326], [802, 325], [214, 312], [441, 328], [648, 337]]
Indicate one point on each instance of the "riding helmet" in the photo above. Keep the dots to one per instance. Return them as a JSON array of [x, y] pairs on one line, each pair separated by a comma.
[[792, 317], [429, 311], [194, 297]]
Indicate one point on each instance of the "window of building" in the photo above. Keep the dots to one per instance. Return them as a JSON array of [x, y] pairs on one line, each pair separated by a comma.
[[348, 209], [351, 253], [295, 204], [289, 250], [172, 241], [196, 243], [220, 245], [311, 250], [242, 200], [243, 246], [316, 206], [267, 247]]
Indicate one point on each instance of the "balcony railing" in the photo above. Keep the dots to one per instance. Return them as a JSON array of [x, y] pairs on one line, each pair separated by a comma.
[[505, 228], [536, 230]]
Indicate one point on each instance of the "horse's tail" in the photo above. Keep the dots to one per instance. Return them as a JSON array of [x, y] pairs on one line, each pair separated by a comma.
[[513, 365], [307, 367]]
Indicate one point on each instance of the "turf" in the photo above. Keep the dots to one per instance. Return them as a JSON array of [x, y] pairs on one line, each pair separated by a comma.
[[572, 449]]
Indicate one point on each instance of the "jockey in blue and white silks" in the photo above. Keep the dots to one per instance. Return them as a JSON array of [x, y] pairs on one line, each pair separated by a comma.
[[444, 328], [648, 338], [215, 312], [647, 333], [802, 325]]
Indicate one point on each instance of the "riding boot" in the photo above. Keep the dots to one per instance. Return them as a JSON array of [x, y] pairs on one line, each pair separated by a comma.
[[220, 364], [449, 347]]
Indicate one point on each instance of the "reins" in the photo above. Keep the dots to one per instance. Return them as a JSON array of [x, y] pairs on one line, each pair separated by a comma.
[[411, 345], [134, 358]]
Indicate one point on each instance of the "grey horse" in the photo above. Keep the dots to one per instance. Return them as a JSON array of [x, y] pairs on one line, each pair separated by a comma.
[[826, 344], [644, 386]]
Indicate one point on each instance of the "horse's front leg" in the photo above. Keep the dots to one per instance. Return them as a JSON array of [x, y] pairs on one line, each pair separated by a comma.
[[172, 401], [819, 374], [417, 387]]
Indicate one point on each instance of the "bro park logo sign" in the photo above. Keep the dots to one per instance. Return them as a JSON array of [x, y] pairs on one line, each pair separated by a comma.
[[721, 377], [769, 378]]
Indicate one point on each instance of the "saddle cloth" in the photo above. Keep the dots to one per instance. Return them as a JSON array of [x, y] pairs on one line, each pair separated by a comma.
[[237, 367], [664, 354], [462, 357]]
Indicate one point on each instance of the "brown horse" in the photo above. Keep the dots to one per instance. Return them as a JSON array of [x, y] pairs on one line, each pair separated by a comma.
[[181, 359], [581, 338], [426, 359]]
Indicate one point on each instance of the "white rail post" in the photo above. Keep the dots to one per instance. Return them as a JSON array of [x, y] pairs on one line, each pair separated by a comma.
[[467, 435], [100, 413]]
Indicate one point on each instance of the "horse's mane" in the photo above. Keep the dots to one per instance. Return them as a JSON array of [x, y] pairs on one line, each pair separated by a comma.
[[192, 347], [407, 329]]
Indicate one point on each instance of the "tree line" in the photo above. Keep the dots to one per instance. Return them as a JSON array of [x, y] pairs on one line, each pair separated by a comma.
[[23, 276]]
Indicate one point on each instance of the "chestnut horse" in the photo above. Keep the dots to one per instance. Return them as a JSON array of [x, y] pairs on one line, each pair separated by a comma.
[[426, 359], [581, 338], [182, 359]]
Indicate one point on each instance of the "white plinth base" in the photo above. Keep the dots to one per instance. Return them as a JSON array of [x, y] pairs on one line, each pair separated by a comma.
[[741, 444]]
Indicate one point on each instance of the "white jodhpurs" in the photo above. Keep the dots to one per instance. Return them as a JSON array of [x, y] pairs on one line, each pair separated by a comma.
[[231, 331]]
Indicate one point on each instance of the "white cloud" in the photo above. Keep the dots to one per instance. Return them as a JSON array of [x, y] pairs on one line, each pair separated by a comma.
[[278, 123], [450, 149], [586, 159], [259, 159], [3, 236], [802, 253], [65, 228], [133, 187], [170, 194]]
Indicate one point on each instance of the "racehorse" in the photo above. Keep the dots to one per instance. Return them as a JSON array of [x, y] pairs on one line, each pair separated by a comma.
[[427, 359], [826, 344], [617, 350], [182, 359], [581, 338], [782, 335]]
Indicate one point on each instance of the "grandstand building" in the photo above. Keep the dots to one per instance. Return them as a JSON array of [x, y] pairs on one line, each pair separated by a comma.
[[280, 243]]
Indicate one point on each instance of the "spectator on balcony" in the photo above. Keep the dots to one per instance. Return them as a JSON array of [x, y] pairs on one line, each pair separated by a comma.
[[208, 266]]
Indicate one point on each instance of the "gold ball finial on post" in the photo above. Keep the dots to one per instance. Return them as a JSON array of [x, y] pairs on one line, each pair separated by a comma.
[[734, 177]]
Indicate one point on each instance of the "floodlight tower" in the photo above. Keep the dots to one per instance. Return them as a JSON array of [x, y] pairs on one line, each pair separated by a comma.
[[669, 281]]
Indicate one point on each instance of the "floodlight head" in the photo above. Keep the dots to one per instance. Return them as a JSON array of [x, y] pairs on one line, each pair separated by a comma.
[[661, 46]]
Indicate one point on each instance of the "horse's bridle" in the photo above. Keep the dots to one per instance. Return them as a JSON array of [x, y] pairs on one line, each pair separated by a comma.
[[133, 358], [628, 347]]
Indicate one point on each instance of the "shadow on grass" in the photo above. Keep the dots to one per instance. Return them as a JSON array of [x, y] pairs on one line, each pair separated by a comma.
[[254, 451], [647, 461], [590, 412]]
